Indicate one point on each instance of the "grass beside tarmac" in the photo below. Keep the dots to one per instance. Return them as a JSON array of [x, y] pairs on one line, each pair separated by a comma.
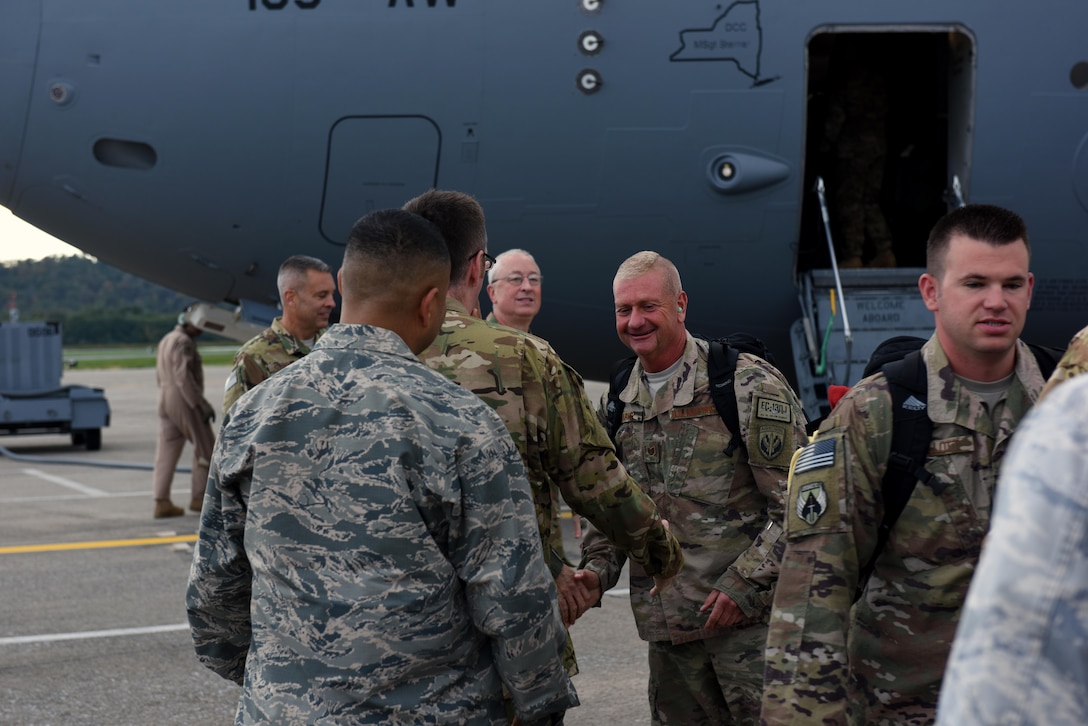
[[93, 357]]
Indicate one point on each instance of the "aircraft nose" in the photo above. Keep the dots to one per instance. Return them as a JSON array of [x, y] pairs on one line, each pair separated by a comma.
[[19, 24]]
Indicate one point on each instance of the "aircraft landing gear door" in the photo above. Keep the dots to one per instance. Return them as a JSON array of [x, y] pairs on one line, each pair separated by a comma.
[[376, 162]]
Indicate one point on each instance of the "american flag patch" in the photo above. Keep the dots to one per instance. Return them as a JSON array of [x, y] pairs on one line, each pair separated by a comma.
[[816, 456]]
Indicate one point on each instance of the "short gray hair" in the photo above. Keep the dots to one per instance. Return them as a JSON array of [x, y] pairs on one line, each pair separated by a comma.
[[640, 263], [293, 270], [503, 255]]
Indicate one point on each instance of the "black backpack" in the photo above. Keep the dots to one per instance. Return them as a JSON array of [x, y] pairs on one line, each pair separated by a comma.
[[721, 366], [900, 359]]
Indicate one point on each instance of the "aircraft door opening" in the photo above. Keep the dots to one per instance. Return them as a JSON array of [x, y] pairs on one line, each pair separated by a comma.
[[889, 113], [888, 125]]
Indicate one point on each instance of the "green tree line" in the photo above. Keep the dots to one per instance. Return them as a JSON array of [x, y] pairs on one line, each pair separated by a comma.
[[96, 304]]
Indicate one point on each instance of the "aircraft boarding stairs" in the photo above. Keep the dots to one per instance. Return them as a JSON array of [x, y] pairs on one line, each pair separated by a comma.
[[846, 313], [843, 322]]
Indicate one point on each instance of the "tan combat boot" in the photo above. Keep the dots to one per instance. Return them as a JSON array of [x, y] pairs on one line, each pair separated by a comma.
[[165, 508]]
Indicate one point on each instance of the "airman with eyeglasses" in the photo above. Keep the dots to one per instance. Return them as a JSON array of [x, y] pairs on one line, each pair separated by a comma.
[[514, 286]]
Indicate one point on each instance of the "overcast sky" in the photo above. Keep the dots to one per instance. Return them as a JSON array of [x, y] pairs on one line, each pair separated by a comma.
[[20, 240]]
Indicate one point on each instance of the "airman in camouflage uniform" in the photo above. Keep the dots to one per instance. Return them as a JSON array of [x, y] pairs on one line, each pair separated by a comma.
[[307, 297], [543, 404], [1019, 655], [271, 350], [1073, 363], [706, 631], [367, 551], [882, 660]]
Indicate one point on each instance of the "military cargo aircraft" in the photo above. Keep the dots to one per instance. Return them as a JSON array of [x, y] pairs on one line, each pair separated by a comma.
[[199, 143]]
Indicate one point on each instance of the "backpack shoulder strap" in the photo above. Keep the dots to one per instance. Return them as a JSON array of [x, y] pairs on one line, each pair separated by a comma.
[[912, 431], [911, 434], [617, 381], [721, 366]]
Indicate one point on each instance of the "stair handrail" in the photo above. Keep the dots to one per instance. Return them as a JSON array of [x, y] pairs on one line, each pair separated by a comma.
[[848, 335]]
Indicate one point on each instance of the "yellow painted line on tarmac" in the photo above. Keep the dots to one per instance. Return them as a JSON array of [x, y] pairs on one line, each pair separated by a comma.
[[103, 544], [100, 544]]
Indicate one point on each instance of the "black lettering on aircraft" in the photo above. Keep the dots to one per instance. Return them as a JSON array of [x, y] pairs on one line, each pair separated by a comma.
[[736, 35], [430, 3], [281, 4]]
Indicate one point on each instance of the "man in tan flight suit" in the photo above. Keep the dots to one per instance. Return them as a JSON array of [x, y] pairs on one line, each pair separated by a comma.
[[184, 415]]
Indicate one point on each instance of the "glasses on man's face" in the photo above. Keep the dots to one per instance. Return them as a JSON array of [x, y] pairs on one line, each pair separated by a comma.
[[489, 261], [517, 278]]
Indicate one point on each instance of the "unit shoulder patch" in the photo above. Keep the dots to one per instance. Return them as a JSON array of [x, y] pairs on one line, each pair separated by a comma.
[[773, 409], [771, 441], [770, 445], [811, 502], [816, 490]]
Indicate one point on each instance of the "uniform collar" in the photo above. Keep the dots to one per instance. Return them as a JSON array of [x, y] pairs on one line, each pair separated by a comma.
[[949, 401], [456, 307], [346, 336], [679, 391], [290, 343]]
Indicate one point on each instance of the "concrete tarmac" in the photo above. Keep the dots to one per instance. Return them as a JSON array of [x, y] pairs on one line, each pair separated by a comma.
[[92, 611]]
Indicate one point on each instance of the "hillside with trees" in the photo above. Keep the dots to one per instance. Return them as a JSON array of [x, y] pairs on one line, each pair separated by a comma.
[[97, 304]]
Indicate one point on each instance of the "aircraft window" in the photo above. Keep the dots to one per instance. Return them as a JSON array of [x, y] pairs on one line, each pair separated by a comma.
[[125, 154]]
